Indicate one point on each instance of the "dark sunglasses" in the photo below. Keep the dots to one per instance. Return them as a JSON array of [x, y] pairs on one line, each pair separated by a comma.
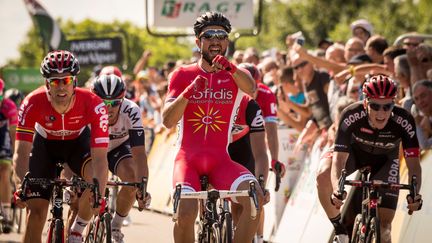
[[214, 34], [384, 107], [113, 103], [300, 65], [55, 81]]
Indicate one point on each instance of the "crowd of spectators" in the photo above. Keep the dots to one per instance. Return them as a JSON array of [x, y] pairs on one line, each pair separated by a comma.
[[309, 82]]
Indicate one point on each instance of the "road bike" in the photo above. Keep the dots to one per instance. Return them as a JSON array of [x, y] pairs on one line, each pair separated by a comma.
[[99, 230], [56, 233], [215, 223], [367, 224]]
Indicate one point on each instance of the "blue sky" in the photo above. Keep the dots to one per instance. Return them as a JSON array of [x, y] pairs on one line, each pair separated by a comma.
[[15, 20]]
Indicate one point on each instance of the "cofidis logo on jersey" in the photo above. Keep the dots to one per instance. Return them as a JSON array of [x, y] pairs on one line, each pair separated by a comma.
[[222, 96]]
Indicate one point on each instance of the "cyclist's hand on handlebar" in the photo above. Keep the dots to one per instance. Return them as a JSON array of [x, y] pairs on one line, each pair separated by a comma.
[[143, 203], [337, 199], [221, 63], [416, 203], [200, 83], [281, 167], [18, 200]]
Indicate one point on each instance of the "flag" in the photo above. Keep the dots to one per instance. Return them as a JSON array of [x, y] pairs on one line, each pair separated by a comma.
[[51, 33]]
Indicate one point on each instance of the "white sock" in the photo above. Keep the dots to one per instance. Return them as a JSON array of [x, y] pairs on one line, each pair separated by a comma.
[[6, 210], [117, 221], [78, 225]]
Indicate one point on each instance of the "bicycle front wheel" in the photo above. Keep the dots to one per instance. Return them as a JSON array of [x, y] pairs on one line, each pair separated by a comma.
[[58, 232], [356, 233], [103, 230], [227, 230], [374, 232]]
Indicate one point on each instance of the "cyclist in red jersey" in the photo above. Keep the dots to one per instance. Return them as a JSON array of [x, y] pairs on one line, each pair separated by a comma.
[[54, 126], [203, 98], [8, 122]]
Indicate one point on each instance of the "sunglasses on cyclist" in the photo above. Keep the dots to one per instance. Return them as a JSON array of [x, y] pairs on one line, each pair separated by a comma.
[[300, 65], [55, 81], [384, 107], [113, 103], [214, 34]]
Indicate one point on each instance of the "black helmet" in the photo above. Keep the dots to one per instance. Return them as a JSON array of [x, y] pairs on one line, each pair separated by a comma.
[[109, 87], [59, 62], [211, 18], [15, 95]]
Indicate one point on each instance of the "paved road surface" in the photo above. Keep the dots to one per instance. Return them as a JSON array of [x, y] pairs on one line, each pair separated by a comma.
[[146, 226]]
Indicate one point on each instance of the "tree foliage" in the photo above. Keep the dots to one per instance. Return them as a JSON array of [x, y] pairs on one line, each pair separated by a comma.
[[319, 19]]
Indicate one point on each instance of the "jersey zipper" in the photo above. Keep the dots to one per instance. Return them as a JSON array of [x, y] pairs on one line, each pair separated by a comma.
[[63, 126]]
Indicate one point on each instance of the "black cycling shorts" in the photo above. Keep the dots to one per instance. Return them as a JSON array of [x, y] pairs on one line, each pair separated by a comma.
[[383, 167], [116, 155], [45, 154]]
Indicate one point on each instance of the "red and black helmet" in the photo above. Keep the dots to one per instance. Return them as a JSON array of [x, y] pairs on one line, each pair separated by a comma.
[[59, 61], [379, 87]]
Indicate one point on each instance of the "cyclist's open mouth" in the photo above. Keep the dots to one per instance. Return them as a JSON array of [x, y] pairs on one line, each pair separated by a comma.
[[215, 50]]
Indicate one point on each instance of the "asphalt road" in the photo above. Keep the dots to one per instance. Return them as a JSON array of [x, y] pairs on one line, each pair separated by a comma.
[[147, 226]]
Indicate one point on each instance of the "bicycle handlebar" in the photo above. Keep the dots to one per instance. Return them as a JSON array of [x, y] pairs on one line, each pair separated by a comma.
[[277, 171], [218, 194]]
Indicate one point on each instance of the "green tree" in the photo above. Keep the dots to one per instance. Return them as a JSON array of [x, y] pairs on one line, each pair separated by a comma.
[[135, 40]]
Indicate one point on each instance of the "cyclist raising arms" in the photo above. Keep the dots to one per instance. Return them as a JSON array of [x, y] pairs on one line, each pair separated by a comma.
[[126, 156], [369, 134], [204, 97], [53, 126]]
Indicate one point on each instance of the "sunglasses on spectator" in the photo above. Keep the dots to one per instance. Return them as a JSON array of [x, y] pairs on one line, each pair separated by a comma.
[[300, 65], [214, 34], [384, 107], [113, 103], [55, 81]]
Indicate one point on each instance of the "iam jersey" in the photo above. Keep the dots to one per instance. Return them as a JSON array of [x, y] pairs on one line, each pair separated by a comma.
[[8, 117], [209, 115], [129, 126], [355, 130], [267, 102], [37, 114]]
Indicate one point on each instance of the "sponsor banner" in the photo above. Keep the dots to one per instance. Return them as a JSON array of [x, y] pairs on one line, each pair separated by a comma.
[[96, 51], [294, 165], [24, 79], [416, 227], [183, 13], [161, 166]]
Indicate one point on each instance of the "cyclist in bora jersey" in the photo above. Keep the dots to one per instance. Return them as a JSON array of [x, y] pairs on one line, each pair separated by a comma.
[[8, 122], [369, 134], [53, 126], [203, 97]]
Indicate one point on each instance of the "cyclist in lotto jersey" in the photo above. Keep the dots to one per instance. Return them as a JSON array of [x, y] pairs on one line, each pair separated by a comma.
[[8, 122], [369, 134], [203, 98], [54, 124], [126, 151]]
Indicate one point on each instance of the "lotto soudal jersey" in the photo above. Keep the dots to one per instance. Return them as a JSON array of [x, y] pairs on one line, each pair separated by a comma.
[[37, 114], [209, 114], [267, 102], [354, 130], [128, 126]]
